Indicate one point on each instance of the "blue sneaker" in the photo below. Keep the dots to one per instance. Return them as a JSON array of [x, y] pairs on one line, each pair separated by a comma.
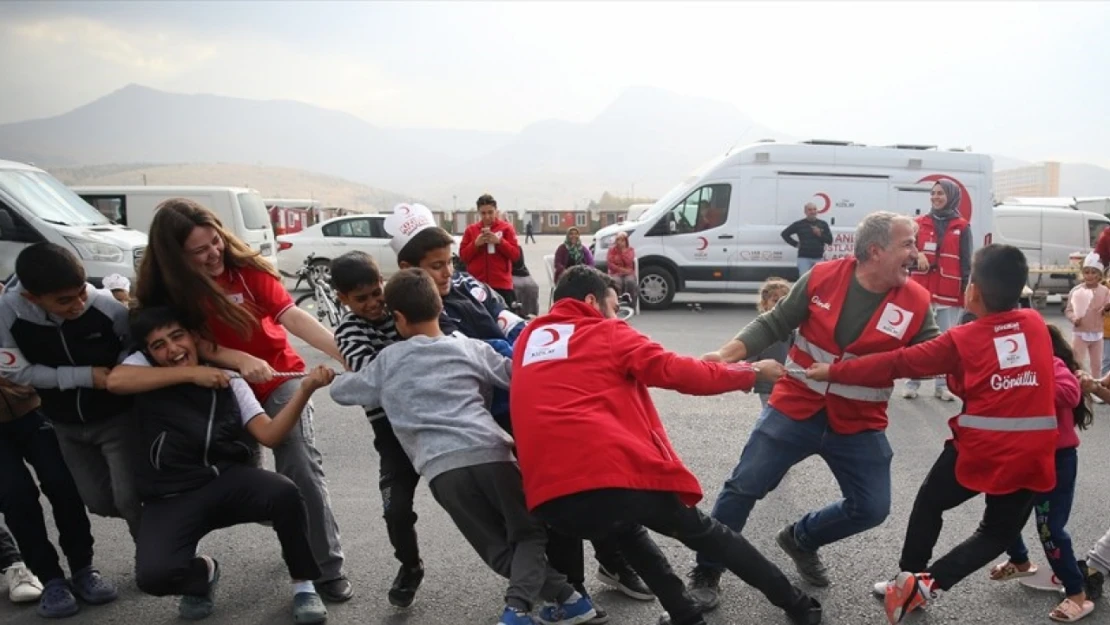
[[308, 609], [512, 616], [92, 588], [195, 608], [57, 600], [572, 612]]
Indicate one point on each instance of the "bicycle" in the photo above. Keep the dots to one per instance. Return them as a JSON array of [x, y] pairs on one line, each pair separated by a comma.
[[322, 300]]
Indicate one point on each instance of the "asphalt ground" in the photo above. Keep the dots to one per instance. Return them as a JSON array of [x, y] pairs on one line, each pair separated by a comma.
[[708, 432]]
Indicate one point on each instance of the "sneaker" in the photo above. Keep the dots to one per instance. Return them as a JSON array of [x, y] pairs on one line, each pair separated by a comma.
[[807, 562], [879, 589], [908, 592], [195, 608], [403, 591], [627, 581], [92, 588], [57, 600], [705, 587], [602, 616], [909, 393], [512, 616], [1093, 580], [944, 394], [23, 586], [336, 590], [308, 609], [572, 612], [808, 614]]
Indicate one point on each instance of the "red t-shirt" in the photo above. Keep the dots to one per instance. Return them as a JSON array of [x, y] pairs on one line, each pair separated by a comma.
[[266, 298]]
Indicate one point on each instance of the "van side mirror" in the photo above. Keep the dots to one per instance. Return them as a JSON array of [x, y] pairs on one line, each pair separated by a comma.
[[672, 227], [7, 224]]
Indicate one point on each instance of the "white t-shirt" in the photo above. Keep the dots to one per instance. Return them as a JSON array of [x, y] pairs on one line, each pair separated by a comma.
[[249, 407]]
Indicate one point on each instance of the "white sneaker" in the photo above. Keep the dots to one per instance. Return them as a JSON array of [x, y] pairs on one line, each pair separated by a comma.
[[944, 395], [23, 586], [910, 393]]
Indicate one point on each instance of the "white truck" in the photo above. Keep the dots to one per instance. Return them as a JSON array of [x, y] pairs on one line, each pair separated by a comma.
[[34, 207], [1054, 239], [720, 229]]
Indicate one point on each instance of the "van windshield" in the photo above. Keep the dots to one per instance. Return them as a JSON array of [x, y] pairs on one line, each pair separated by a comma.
[[679, 191], [48, 199]]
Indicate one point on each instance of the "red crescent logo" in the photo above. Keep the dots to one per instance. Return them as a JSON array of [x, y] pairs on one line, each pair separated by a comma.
[[9, 359], [554, 337], [898, 318], [404, 209], [828, 202], [965, 197], [1013, 345], [702, 243]]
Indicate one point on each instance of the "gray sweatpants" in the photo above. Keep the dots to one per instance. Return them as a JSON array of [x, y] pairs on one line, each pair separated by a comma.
[[486, 502], [1099, 557], [101, 457], [298, 459]]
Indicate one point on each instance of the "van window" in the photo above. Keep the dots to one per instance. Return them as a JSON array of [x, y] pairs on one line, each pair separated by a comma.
[[114, 207], [1096, 227], [48, 199], [21, 231], [253, 211], [704, 209]]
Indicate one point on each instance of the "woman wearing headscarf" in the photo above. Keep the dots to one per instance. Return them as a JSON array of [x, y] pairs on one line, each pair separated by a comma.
[[943, 265], [571, 252]]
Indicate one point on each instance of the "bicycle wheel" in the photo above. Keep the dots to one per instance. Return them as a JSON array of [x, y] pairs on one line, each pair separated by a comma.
[[307, 303]]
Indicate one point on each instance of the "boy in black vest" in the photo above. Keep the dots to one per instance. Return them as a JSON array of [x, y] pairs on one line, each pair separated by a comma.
[[196, 473]]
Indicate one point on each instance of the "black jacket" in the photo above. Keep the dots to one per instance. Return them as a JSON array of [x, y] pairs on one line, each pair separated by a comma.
[[809, 244]]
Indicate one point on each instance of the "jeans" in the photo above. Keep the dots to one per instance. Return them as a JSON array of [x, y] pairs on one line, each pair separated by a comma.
[[397, 480], [805, 264], [166, 560], [620, 516], [1003, 519], [947, 317], [298, 459], [859, 462], [31, 439], [101, 457], [1051, 511]]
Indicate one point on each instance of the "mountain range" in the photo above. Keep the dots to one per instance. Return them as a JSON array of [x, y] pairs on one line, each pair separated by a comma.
[[641, 144]]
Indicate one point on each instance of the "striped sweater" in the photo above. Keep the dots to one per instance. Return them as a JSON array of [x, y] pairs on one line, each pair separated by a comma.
[[361, 340]]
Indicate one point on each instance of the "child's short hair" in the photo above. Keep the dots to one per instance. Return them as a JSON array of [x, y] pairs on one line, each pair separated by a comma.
[[1000, 272], [423, 242], [151, 318], [353, 270], [486, 200], [46, 268], [770, 288], [412, 293]]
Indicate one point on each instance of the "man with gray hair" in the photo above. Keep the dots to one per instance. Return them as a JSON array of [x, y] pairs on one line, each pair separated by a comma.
[[842, 309], [812, 234]]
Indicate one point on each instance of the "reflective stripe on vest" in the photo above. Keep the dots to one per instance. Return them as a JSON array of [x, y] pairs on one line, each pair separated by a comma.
[[847, 391], [1007, 424]]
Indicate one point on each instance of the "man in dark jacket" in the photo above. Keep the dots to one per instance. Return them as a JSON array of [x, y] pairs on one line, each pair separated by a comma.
[[812, 235]]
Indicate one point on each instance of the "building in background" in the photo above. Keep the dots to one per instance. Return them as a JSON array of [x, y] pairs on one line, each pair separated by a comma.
[[1040, 180]]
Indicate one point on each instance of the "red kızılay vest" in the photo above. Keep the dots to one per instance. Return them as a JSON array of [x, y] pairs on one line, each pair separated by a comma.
[[944, 277], [850, 409], [1006, 433]]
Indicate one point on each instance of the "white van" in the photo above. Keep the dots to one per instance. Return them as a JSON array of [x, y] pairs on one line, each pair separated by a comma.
[[1050, 236], [241, 210], [34, 207], [753, 192]]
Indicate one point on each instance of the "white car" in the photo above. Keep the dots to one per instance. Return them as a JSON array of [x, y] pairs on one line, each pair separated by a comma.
[[336, 237]]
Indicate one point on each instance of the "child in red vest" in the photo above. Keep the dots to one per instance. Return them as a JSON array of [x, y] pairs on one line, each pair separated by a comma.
[[1003, 443]]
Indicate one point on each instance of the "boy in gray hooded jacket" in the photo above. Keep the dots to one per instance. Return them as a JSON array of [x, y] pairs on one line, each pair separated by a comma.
[[434, 389]]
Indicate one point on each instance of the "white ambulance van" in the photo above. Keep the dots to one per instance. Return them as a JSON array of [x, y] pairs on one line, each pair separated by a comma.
[[1052, 237], [720, 229], [35, 206], [240, 210]]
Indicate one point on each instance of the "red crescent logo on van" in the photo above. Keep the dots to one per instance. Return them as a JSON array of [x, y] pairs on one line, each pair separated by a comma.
[[702, 243], [965, 197], [828, 202]]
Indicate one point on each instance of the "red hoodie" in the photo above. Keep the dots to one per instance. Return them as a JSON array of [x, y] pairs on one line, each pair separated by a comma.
[[494, 269], [582, 416]]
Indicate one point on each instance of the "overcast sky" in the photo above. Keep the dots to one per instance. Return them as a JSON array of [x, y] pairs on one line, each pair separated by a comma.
[[1023, 79]]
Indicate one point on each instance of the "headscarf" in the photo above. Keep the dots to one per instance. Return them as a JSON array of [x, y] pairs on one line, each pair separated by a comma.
[[574, 250], [951, 209]]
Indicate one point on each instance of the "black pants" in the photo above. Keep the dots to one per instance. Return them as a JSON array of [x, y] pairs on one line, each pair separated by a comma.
[[1003, 520], [508, 295], [621, 515], [165, 554], [9, 553], [31, 440], [565, 552], [397, 480], [529, 237]]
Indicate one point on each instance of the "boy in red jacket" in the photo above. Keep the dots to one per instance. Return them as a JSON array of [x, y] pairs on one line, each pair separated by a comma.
[[489, 248], [596, 460], [1003, 443]]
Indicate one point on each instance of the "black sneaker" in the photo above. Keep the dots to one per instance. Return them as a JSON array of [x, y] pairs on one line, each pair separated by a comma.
[[807, 562], [808, 614], [705, 587], [1092, 580], [335, 590], [601, 616], [627, 581], [403, 591]]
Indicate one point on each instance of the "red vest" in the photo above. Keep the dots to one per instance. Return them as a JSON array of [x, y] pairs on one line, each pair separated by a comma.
[[851, 409], [1006, 434], [944, 277]]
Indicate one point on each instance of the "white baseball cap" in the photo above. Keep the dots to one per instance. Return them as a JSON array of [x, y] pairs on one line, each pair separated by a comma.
[[405, 222]]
